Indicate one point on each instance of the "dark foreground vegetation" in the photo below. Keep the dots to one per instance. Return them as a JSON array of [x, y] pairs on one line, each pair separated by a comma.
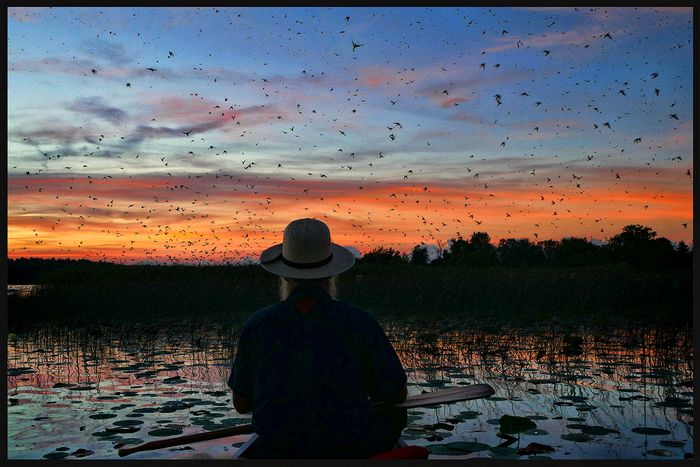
[[473, 283]]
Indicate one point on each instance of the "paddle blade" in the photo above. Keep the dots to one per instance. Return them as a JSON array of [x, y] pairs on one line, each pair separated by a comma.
[[446, 396]]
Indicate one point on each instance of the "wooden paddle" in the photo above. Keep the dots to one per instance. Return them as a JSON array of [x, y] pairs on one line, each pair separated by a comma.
[[443, 396]]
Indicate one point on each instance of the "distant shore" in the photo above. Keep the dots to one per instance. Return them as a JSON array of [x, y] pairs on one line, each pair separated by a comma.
[[105, 294]]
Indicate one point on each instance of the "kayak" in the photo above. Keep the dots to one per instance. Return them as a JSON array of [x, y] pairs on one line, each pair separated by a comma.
[[401, 450], [426, 399]]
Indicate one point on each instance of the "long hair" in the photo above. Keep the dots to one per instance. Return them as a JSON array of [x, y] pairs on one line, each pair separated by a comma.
[[329, 284]]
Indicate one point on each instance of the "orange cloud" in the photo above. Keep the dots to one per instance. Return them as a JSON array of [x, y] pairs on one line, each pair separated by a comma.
[[226, 218]]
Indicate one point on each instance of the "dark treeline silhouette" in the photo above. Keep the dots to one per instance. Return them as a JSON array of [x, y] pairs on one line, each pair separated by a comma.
[[635, 277], [636, 246]]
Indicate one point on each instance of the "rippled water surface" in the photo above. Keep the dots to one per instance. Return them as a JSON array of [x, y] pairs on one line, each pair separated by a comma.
[[622, 395]]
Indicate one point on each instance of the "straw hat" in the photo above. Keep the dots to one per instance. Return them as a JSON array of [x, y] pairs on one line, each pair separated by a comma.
[[306, 252]]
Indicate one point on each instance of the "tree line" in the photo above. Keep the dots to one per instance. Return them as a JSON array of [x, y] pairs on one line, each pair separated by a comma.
[[637, 246]]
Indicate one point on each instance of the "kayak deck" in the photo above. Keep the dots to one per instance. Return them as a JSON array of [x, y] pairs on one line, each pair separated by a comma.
[[240, 452]]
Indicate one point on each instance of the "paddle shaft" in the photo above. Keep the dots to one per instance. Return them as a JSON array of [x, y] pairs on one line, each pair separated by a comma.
[[195, 438], [476, 391]]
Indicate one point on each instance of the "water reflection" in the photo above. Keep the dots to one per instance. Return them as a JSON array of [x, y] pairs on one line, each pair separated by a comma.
[[626, 394]]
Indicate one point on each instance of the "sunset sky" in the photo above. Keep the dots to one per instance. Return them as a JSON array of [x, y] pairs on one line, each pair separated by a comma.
[[197, 134]]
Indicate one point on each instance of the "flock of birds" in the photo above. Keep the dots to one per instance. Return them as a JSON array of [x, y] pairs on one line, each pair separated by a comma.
[[185, 213]]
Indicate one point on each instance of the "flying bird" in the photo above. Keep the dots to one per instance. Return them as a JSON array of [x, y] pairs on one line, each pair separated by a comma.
[[355, 45]]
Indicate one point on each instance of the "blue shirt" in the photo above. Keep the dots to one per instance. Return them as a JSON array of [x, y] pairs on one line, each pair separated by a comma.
[[312, 367]]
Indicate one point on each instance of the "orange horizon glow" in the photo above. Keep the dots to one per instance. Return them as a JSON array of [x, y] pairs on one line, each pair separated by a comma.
[[219, 219]]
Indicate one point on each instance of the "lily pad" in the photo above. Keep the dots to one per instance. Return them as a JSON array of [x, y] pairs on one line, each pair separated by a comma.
[[651, 431], [544, 381], [535, 432], [467, 447], [122, 406], [63, 385], [128, 422], [439, 426], [456, 448], [165, 432], [20, 371], [82, 452], [146, 410], [535, 448], [660, 452], [200, 421], [575, 398], [511, 424], [174, 380], [577, 437], [597, 430], [503, 452], [672, 443], [674, 402], [537, 417], [55, 455], [102, 416], [213, 426]]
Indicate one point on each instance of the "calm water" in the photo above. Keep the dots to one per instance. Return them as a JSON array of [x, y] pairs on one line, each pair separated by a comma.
[[625, 395]]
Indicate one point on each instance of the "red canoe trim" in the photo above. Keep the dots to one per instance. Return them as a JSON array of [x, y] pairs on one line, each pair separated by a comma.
[[408, 452]]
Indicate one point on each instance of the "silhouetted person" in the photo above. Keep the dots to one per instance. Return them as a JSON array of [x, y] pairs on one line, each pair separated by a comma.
[[310, 366]]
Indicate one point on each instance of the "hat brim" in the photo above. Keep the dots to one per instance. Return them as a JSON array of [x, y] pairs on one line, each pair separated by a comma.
[[343, 259]]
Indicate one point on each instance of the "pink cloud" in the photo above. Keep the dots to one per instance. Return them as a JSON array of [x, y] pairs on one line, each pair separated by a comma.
[[452, 101], [25, 14], [573, 37]]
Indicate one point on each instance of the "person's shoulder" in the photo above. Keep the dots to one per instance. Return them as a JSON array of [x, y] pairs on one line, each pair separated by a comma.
[[263, 316], [355, 313]]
